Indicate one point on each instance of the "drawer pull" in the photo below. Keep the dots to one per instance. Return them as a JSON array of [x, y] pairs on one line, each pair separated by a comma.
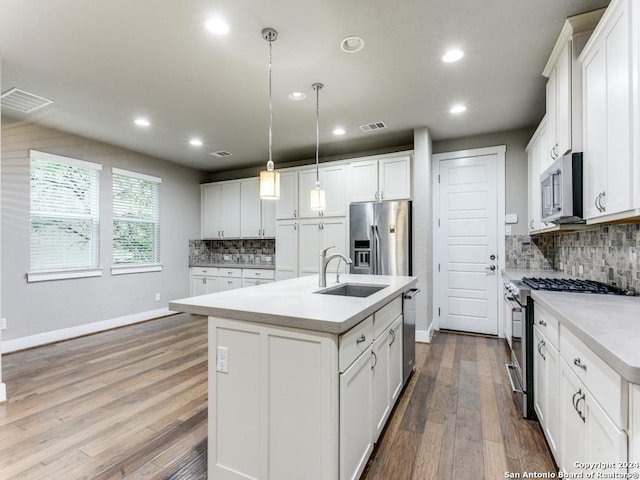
[[540, 345], [578, 363], [375, 360], [392, 334], [361, 339], [542, 322]]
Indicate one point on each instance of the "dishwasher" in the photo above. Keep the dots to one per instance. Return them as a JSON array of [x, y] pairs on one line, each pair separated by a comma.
[[408, 332]]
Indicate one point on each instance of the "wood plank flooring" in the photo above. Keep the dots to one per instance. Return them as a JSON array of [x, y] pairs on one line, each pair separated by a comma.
[[132, 403]]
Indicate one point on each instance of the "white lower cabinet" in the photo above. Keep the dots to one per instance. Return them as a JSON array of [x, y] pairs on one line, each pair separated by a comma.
[[588, 434], [296, 404], [203, 280], [546, 387]]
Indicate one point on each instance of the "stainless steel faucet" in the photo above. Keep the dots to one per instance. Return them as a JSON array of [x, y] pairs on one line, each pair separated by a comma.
[[324, 262]]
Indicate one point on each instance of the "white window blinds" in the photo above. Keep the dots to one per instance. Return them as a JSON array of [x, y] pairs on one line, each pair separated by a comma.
[[65, 227], [136, 218]]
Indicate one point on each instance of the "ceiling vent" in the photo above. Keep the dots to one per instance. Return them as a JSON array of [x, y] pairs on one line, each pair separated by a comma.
[[22, 101], [221, 153], [370, 127]]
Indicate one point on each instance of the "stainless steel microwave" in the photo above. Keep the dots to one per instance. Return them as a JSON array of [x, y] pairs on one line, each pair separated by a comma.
[[561, 190]]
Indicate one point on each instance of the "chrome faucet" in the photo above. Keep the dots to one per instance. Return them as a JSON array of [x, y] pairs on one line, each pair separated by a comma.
[[324, 262]]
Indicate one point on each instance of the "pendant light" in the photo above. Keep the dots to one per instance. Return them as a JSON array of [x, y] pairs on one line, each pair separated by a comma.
[[317, 197], [269, 178]]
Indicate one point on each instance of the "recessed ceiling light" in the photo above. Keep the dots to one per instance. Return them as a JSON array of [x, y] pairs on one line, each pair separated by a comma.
[[142, 122], [217, 26], [352, 44], [452, 55], [339, 131], [196, 142], [297, 96], [457, 109]]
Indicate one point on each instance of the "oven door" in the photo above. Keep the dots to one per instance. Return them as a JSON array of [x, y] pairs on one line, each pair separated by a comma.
[[516, 369]]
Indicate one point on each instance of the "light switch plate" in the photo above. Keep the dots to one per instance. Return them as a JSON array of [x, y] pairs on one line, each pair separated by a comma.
[[222, 360]]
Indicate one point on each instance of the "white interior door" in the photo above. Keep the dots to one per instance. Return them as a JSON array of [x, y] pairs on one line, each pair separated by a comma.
[[466, 242]]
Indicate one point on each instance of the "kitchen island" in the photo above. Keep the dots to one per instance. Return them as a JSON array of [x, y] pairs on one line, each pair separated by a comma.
[[300, 383]]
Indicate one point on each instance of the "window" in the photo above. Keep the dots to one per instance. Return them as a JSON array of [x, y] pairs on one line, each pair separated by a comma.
[[65, 228], [136, 220]]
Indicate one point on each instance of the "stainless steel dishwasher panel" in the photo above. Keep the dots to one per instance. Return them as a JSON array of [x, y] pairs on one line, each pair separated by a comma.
[[409, 332]]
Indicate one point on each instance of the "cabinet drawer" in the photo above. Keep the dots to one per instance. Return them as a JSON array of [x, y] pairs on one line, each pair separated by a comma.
[[606, 386], [230, 272], [547, 324], [229, 283], [211, 271], [258, 273], [353, 342], [252, 282], [387, 314]]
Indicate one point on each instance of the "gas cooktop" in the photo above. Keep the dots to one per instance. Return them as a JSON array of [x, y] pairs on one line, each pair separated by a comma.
[[574, 285]]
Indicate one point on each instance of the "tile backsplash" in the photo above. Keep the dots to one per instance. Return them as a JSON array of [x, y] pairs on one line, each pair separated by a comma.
[[607, 254], [258, 251]]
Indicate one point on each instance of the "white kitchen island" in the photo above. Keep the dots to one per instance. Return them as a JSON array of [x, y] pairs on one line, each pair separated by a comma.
[[300, 383]]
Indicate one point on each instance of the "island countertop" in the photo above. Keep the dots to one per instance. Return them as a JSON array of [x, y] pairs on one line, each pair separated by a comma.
[[293, 303]]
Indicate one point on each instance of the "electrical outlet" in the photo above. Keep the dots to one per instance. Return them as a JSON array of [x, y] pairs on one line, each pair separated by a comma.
[[222, 360], [3, 323], [157, 297], [507, 230]]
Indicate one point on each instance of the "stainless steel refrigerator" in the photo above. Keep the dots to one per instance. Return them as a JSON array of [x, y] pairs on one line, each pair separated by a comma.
[[380, 236]]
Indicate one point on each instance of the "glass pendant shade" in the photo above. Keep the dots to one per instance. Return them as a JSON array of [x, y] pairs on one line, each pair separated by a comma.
[[269, 185], [317, 199]]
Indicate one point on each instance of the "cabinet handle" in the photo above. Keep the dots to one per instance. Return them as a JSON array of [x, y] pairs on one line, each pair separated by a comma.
[[229, 282], [219, 233], [295, 214], [553, 153], [375, 360], [223, 233], [392, 334], [542, 322], [361, 339], [576, 401], [376, 196], [540, 345], [531, 224], [295, 226], [204, 280], [578, 363], [259, 232], [263, 232], [257, 282], [382, 195], [603, 204], [596, 202]]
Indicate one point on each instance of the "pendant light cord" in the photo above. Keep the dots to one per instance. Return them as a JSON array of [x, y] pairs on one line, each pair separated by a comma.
[[270, 165], [317, 87]]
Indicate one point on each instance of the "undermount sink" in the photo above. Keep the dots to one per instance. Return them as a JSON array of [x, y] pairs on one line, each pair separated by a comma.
[[352, 290]]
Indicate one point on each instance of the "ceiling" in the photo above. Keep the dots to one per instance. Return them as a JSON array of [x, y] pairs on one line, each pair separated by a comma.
[[106, 62]]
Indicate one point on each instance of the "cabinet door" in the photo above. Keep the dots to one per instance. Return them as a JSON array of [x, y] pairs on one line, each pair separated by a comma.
[[395, 359], [333, 179], [198, 285], [364, 181], [563, 102], [395, 178], [573, 431], [211, 222], [286, 249], [534, 187], [309, 252], [307, 181], [380, 386], [230, 209], [333, 232], [552, 114], [356, 443], [268, 220], [229, 283], [250, 208], [552, 398], [539, 377], [287, 204]]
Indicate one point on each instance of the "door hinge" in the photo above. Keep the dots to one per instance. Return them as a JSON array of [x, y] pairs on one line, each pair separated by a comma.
[[438, 178], [438, 311], [438, 222], [438, 267]]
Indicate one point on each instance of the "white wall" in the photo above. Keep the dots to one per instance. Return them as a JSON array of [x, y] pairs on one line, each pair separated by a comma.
[[422, 237], [41, 312], [3, 388]]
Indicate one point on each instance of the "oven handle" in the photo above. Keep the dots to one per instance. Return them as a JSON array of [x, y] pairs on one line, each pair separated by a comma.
[[515, 306], [511, 366]]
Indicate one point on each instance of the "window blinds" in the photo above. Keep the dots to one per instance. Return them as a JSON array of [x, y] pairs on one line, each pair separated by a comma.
[[136, 218], [65, 225]]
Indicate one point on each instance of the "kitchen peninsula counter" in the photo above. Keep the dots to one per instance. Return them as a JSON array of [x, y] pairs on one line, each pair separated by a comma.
[[293, 303]]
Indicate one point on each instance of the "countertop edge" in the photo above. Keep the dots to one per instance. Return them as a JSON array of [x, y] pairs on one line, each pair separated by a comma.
[[629, 372]]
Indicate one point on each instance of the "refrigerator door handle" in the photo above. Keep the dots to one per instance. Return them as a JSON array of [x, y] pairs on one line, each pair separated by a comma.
[[377, 247]]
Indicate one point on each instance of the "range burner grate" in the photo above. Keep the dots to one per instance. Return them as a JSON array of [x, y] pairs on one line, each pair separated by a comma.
[[574, 285]]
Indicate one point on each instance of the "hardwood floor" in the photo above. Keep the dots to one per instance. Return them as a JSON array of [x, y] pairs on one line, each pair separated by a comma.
[[131, 403]]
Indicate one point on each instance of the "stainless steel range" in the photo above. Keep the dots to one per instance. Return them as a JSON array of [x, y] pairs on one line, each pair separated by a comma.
[[520, 320]]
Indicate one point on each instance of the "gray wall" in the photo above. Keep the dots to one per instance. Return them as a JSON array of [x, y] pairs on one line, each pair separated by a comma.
[[3, 388], [47, 306], [516, 198]]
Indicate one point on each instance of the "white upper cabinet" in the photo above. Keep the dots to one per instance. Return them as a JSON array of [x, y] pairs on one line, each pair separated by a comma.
[[609, 66], [564, 87], [257, 217], [333, 180], [536, 152], [377, 180], [220, 203], [287, 204]]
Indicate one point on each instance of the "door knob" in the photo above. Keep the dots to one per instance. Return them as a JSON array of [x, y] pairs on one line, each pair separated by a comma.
[[490, 267], [492, 257]]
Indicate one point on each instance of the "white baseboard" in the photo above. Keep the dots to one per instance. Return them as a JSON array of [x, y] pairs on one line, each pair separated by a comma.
[[78, 331], [425, 336], [3, 393]]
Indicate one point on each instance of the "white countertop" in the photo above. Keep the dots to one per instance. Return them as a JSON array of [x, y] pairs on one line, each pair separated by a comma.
[[292, 303], [263, 266], [608, 324], [512, 274]]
